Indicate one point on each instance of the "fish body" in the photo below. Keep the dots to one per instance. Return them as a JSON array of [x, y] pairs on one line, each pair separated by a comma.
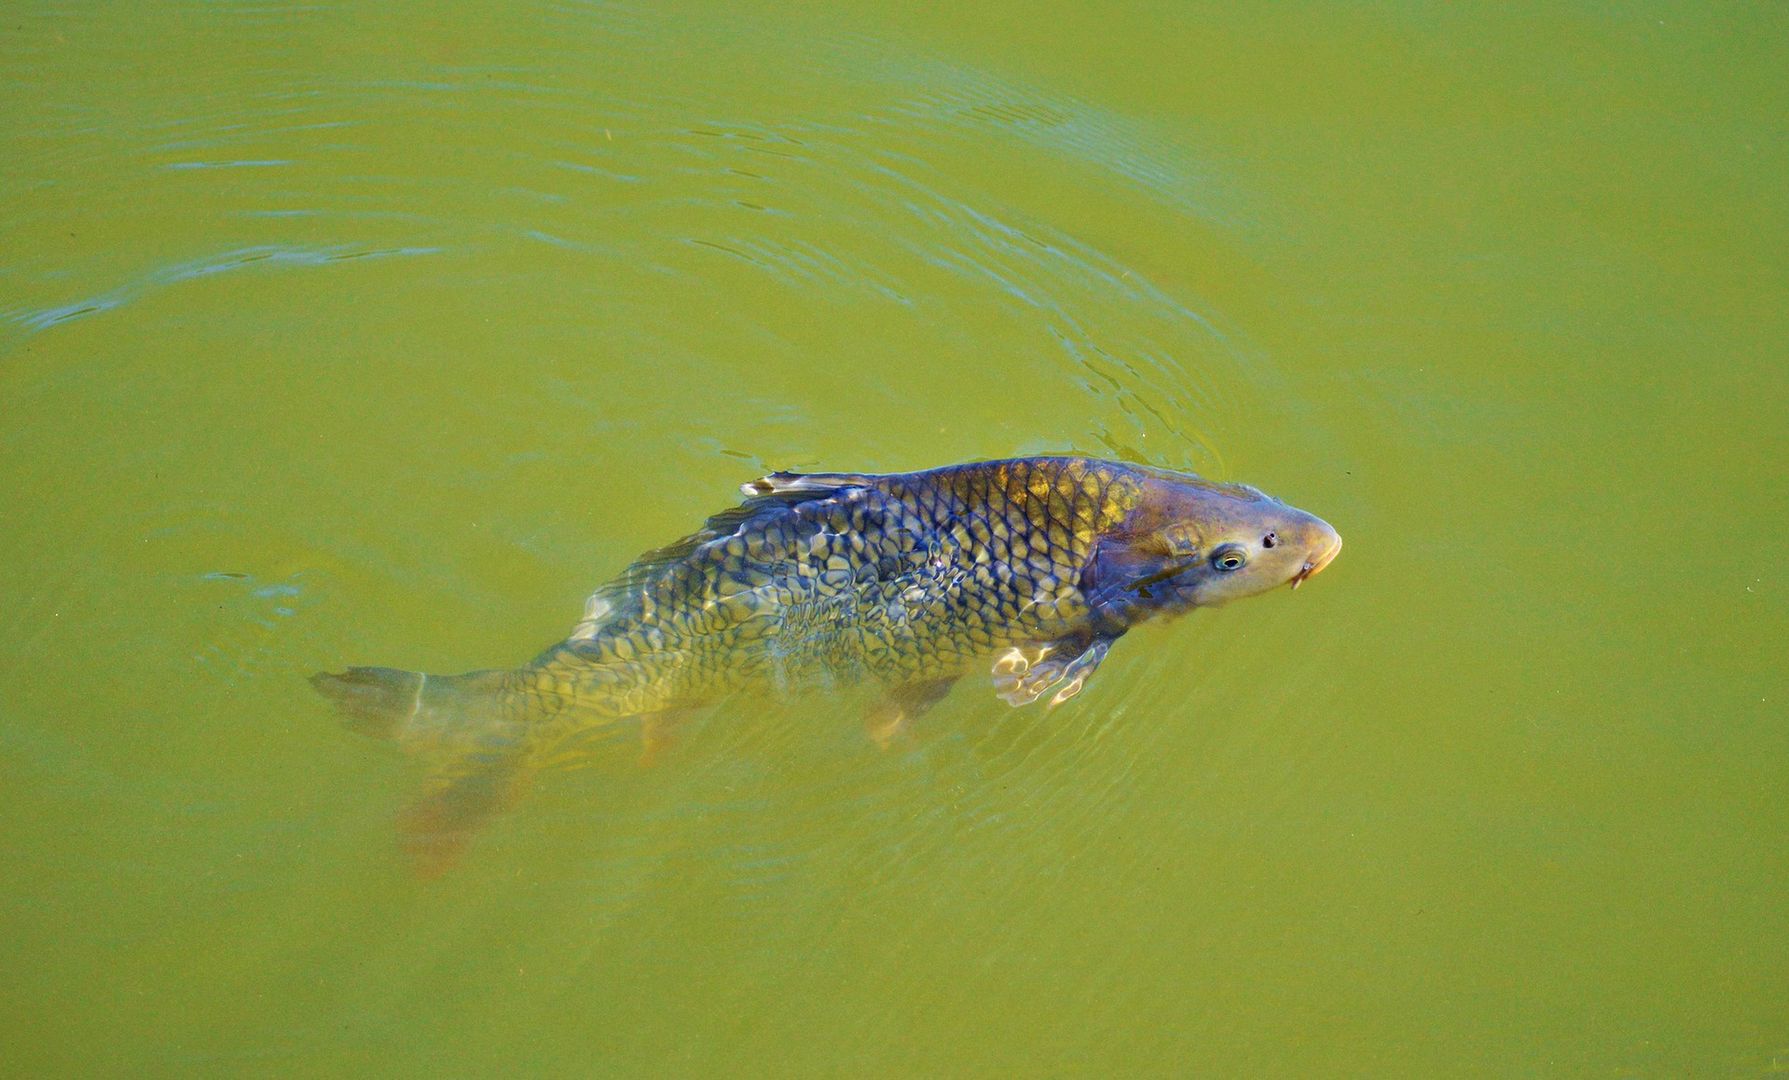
[[1030, 567]]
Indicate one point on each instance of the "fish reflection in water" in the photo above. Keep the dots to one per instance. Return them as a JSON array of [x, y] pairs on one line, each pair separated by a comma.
[[1031, 568]]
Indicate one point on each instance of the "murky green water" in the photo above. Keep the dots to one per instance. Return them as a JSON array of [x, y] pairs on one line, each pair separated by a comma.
[[382, 333]]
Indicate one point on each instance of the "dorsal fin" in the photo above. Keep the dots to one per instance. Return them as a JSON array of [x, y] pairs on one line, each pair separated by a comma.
[[812, 485]]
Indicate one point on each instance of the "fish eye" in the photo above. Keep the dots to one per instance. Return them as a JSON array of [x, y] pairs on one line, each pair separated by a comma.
[[1228, 558], [1269, 540]]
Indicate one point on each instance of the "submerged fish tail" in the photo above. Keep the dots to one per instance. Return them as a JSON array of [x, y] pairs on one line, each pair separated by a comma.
[[473, 733]]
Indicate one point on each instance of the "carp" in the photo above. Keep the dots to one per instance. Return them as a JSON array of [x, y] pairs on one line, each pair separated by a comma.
[[1029, 568]]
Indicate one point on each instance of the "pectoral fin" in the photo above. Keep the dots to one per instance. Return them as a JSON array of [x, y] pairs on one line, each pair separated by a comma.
[[890, 716], [1024, 673]]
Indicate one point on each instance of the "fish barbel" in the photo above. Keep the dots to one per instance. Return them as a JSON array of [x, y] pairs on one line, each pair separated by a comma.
[[1030, 567]]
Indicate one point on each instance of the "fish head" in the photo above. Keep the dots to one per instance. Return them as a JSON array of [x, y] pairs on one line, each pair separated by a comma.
[[1191, 543]]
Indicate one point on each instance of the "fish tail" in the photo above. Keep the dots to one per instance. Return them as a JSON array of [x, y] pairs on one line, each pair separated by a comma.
[[468, 728], [411, 708]]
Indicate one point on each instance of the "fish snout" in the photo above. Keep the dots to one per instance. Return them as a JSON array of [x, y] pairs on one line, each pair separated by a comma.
[[1321, 549]]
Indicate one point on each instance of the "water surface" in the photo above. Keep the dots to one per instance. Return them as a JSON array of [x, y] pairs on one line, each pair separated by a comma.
[[351, 333]]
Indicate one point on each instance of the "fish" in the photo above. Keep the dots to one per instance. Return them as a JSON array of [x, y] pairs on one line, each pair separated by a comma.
[[1028, 568]]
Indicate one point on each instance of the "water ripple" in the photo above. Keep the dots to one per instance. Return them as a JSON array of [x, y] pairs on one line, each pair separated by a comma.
[[39, 319]]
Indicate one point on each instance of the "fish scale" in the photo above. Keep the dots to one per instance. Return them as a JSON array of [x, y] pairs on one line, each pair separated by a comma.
[[887, 581]]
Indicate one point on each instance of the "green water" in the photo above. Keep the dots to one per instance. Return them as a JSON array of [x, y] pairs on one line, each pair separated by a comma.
[[382, 333]]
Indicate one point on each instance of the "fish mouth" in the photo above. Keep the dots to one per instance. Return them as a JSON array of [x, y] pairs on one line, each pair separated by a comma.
[[1314, 566]]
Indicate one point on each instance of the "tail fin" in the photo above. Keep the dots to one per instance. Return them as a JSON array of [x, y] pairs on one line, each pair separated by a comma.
[[466, 728]]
